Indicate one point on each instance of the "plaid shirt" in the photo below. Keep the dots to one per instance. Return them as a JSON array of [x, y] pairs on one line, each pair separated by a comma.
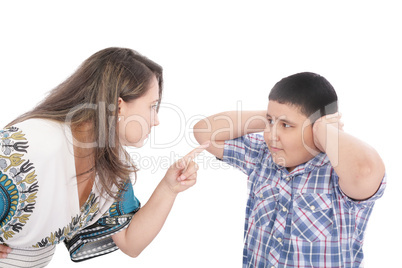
[[298, 219]]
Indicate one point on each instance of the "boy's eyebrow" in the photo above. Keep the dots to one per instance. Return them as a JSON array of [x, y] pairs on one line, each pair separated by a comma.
[[283, 120]]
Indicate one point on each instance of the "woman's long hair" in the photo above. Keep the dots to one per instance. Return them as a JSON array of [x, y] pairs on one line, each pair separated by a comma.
[[90, 95]]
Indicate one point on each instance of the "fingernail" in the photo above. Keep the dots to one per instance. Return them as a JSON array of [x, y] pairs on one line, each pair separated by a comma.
[[9, 250]]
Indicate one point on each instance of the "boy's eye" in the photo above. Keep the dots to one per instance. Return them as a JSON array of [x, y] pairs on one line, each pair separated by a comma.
[[270, 121], [286, 125]]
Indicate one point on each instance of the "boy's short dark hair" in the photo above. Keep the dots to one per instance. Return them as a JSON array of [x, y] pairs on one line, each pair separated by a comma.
[[311, 92]]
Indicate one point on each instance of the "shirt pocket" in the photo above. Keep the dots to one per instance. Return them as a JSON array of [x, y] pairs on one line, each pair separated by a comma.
[[265, 205], [312, 219]]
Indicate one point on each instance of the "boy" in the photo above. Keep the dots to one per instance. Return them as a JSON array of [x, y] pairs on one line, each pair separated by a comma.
[[312, 186]]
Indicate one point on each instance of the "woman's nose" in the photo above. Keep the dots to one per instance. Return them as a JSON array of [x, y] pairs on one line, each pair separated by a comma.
[[156, 120]]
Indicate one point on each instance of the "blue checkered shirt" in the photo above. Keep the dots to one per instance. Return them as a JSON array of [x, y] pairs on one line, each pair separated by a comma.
[[297, 219]]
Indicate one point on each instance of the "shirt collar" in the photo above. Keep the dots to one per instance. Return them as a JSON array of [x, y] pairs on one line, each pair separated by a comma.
[[318, 161]]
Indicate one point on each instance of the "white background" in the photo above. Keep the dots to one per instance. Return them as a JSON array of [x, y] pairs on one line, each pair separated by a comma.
[[217, 56]]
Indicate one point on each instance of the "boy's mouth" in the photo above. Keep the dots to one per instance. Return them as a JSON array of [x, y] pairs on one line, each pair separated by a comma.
[[274, 149]]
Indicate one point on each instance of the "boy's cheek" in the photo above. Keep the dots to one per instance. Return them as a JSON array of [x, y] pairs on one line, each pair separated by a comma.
[[279, 160], [266, 136], [308, 139]]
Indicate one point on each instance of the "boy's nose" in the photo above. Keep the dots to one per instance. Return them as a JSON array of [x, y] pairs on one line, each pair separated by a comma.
[[274, 133]]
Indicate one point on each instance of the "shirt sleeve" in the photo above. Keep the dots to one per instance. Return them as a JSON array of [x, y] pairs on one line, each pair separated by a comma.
[[380, 191], [245, 152], [367, 202]]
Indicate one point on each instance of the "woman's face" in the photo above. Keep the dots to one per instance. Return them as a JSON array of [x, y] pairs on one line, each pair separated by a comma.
[[137, 117]]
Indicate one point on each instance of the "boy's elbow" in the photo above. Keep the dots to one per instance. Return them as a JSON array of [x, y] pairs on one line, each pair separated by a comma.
[[196, 132], [373, 167], [199, 126], [368, 172], [369, 177], [201, 131]]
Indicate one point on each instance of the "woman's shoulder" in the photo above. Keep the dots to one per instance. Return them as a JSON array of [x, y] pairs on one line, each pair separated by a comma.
[[45, 137], [44, 128], [36, 181], [38, 123]]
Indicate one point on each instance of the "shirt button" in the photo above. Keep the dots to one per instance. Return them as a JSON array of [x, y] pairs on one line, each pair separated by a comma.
[[284, 209], [272, 266], [261, 195], [312, 208], [279, 239], [287, 179]]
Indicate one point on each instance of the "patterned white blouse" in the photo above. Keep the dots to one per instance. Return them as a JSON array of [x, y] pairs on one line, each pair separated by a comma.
[[39, 204]]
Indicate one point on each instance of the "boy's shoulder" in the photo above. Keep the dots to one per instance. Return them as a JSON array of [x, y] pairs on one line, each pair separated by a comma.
[[256, 138], [251, 145]]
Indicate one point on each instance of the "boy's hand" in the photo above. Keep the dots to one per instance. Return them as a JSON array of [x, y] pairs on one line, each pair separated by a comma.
[[322, 126], [183, 174]]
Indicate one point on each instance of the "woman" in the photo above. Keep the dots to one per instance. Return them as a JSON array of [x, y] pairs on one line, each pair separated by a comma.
[[65, 176]]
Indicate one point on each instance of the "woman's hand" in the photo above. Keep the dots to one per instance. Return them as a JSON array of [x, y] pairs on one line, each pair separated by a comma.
[[148, 221], [183, 174], [4, 251]]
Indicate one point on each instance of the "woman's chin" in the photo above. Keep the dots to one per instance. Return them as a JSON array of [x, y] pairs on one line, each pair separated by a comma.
[[136, 144]]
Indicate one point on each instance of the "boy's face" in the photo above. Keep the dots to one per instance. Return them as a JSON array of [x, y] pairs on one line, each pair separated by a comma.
[[289, 135]]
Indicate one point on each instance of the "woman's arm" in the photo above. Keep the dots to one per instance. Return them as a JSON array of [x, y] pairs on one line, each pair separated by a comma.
[[148, 221], [358, 165], [228, 125]]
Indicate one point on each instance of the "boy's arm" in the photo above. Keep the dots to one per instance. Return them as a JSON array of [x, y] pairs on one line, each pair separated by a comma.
[[358, 165], [226, 126]]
